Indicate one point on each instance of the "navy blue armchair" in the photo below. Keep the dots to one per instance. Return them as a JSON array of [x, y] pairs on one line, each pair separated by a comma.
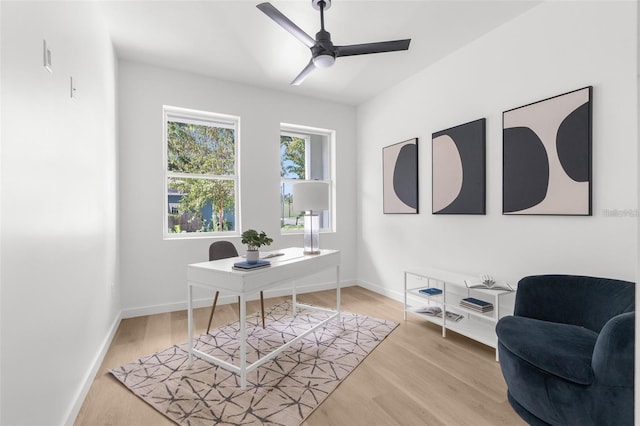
[[567, 353]]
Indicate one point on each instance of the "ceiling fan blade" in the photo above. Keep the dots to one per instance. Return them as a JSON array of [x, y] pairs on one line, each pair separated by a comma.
[[366, 48], [286, 23], [304, 73]]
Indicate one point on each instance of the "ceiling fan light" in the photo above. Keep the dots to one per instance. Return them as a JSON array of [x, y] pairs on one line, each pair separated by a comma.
[[324, 61]]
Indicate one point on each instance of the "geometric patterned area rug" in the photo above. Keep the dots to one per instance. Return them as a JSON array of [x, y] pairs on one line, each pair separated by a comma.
[[283, 391]]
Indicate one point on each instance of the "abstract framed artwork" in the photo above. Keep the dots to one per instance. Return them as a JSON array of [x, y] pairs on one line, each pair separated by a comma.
[[458, 169], [400, 177], [547, 156]]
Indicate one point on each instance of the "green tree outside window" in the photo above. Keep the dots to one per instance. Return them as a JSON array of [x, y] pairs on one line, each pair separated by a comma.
[[194, 149]]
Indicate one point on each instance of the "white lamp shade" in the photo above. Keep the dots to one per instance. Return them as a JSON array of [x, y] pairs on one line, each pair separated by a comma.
[[310, 195]]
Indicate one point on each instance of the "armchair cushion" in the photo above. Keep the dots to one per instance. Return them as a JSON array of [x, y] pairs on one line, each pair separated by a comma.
[[560, 349]]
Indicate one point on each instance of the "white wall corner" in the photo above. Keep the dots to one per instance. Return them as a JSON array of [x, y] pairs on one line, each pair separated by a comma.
[[380, 289], [82, 392]]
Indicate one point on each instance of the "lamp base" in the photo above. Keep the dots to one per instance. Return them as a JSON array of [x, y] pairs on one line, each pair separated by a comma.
[[311, 234]]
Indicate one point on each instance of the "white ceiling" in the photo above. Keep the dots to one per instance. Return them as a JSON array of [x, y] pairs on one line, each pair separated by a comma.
[[234, 41]]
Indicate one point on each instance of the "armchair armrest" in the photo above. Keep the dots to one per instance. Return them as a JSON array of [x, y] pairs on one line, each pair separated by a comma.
[[613, 355]]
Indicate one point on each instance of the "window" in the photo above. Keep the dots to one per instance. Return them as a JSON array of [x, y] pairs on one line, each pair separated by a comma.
[[305, 154], [201, 173]]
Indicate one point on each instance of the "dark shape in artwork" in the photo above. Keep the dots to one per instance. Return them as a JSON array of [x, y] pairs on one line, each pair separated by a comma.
[[469, 140], [572, 144], [526, 173], [404, 175]]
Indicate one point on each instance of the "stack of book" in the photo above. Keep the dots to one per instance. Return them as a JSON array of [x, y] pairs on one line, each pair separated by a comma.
[[476, 304], [432, 291], [246, 266]]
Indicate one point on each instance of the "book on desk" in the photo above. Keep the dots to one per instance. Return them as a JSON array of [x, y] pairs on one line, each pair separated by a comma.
[[246, 266]]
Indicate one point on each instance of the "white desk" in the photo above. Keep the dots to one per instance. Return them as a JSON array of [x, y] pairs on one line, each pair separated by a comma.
[[220, 275]]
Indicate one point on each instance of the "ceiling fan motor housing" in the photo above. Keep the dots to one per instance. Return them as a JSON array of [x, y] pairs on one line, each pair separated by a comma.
[[323, 47]]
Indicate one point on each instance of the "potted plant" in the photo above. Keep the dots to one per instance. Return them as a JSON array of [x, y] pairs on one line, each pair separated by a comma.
[[254, 240]]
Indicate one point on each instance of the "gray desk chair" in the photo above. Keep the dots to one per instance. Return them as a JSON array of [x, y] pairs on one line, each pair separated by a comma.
[[224, 250]]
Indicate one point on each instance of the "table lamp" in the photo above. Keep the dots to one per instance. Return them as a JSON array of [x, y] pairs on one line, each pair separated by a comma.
[[310, 197]]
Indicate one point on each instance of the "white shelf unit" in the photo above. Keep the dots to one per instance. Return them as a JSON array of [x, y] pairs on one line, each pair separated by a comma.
[[478, 326]]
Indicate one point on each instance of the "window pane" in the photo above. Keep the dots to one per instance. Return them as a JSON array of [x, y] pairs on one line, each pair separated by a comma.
[[200, 149], [304, 155], [200, 205], [292, 157], [291, 219]]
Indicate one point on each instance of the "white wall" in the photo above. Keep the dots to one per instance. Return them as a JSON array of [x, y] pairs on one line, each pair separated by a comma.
[[554, 48], [153, 270], [58, 199], [637, 362]]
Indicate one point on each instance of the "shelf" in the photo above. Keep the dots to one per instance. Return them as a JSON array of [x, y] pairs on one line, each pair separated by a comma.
[[438, 298], [453, 302], [467, 327], [430, 318], [489, 292], [479, 326], [441, 275]]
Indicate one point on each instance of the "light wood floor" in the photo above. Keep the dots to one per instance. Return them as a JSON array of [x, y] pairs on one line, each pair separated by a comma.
[[414, 377]]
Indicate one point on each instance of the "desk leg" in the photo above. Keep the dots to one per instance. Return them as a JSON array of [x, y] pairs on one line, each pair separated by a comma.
[[243, 341], [338, 294], [190, 320], [294, 302]]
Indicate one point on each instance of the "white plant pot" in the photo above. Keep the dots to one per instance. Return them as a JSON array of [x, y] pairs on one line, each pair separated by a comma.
[[253, 256]]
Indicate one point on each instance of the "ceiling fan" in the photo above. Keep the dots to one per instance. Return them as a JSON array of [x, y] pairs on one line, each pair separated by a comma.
[[323, 51]]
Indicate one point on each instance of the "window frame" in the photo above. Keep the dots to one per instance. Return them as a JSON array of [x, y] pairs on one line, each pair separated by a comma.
[[201, 118], [305, 132]]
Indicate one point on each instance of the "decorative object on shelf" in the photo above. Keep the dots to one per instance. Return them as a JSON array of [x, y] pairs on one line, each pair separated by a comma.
[[254, 240], [458, 169], [400, 177], [487, 282], [476, 304], [547, 156], [432, 291], [434, 311], [311, 197], [452, 316]]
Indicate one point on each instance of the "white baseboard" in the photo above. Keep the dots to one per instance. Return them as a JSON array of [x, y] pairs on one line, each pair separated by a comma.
[[74, 409], [392, 294]]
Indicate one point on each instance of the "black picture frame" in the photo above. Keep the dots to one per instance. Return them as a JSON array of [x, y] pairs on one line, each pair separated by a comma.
[[546, 156], [458, 184], [400, 178]]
